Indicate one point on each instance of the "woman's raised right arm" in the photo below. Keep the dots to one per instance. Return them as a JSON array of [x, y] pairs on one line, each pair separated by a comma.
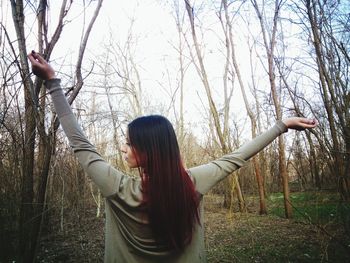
[[100, 171], [108, 179]]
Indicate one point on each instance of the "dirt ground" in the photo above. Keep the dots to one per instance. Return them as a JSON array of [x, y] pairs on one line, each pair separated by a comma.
[[230, 237]]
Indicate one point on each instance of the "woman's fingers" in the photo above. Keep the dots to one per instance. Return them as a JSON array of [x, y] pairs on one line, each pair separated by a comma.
[[40, 67], [310, 123], [300, 123], [32, 59], [38, 57]]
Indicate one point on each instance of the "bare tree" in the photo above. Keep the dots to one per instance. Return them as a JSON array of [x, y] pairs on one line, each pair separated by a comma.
[[227, 25], [270, 45], [111, 89], [35, 105], [127, 70], [332, 60], [221, 129], [179, 19]]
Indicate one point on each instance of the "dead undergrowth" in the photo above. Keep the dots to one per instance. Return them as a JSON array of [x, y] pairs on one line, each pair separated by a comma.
[[230, 237]]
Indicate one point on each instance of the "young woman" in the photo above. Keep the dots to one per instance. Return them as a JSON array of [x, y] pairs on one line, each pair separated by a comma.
[[158, 216]]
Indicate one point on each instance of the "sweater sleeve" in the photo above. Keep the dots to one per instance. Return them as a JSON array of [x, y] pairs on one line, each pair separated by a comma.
[[109, 180], [207, 176]]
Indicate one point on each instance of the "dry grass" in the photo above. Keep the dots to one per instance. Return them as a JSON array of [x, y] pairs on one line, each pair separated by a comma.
[[248, 237], [230, 237]]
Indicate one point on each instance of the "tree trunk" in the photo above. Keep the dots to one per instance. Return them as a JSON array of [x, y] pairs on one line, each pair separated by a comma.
[[270, 47], [220, 132], [31, 217], [335, 100], [231, 47], [26, 209]]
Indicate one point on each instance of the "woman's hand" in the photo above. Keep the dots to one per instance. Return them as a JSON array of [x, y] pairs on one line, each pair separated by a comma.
[[40, 67], [300, 123]]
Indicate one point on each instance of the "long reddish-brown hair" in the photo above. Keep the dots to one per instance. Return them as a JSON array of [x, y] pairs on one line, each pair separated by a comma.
[[168, 191]]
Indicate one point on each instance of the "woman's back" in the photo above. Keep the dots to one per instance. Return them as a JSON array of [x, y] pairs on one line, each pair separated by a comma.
[[130, 238]]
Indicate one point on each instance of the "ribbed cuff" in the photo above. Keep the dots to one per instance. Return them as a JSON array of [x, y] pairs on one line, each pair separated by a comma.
[[52, 85], [281, 126]]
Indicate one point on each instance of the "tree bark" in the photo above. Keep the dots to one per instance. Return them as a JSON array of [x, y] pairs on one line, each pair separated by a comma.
[[269, 48], [255, 160], [31, 216], [336, 105], [220, 130], [27, 194]]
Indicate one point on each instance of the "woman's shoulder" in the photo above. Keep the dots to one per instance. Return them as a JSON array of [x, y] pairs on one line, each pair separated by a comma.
[[128, 190]]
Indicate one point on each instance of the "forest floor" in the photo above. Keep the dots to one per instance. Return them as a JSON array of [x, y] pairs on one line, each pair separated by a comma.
[[230, 236]]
